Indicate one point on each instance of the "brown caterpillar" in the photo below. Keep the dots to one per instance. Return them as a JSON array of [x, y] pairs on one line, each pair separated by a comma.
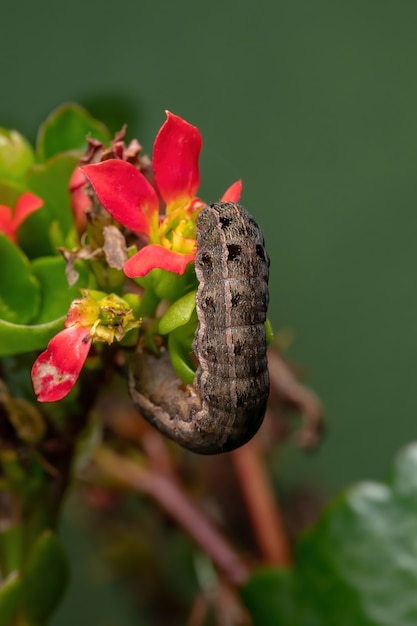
[[227, 403]]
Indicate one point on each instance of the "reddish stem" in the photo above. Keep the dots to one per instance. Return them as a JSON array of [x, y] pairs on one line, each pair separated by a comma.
[[262, 505], [175, 501]]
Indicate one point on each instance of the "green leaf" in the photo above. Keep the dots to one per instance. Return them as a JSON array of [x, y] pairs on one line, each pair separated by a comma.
[[178, 314], [49, 181], [12, 538], [56, 294], [10, 191], [269, 332], [19, 289], [269, 595], [67, 128], [19, 338], [356, 565], [16, 155], [10, 598], [179, 345], [180, 322], [168, 285], [45, 578], [55, 299]]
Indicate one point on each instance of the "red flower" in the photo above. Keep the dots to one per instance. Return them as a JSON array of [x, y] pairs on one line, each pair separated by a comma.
[[56, 370], [11, 220], [80, 202], [94, 317], [134, 202]]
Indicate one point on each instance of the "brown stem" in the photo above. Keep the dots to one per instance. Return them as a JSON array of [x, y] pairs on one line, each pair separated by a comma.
[[262, 505], [198, 611], [286, 387], [174, 500], [154, 446]]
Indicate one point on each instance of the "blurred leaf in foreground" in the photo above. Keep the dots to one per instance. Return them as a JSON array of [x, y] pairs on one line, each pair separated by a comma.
[[356, 565]]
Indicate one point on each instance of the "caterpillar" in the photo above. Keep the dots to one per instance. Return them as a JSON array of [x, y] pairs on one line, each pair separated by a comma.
[[227, 402]]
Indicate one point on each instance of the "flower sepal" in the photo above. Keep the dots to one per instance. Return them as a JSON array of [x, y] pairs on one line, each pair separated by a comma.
[[108, 316]]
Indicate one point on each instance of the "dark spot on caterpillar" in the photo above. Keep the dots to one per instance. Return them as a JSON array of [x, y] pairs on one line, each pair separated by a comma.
[[235, 299], [206, 259], [225, 221], [209, 303], [234, 251], [211, 351], [260, 251], [237, 348]]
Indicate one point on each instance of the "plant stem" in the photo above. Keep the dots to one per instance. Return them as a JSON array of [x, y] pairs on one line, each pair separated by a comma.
[[176, 502], [262, 505]]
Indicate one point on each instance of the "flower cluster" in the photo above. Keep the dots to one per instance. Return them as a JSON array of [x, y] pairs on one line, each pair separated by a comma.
[[162, 216], [133, 202]]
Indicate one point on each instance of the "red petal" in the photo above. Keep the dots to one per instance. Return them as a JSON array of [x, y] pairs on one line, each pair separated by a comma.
[[175, 159], [124, 192], [77, 180], [80, 200], [233, 193], [6, 223], [154, 256], [56, 370], [27, 204]]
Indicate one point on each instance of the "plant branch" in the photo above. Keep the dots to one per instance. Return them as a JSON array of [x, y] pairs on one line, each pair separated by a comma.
[[175, 501], [262, 505]]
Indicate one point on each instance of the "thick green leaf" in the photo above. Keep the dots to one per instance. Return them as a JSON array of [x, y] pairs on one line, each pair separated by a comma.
[[45, 578], [19, 289], [179, 323], [16, 155], [12, 538], [49, 181], [356, 566], [168, 285], [56, 295], [10, 191], [55, 299], [270, 598], [179, 344], [269, 332], [178, 314], [19, 338], [10, 598], [67, 128]]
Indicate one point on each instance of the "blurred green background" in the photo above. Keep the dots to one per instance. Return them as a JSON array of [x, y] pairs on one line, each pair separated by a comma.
[[313, 104]]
